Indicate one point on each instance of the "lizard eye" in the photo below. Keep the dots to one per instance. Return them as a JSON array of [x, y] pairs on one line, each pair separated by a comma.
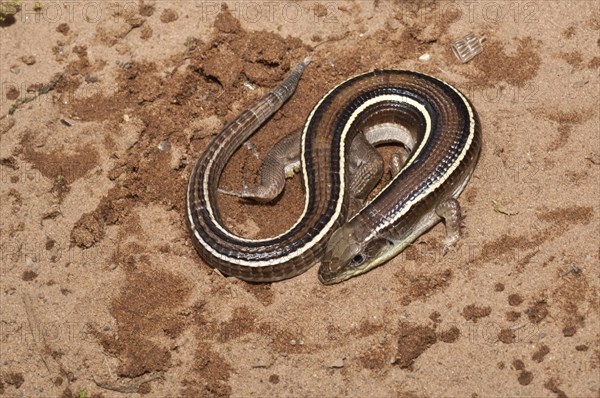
[[358, 260]]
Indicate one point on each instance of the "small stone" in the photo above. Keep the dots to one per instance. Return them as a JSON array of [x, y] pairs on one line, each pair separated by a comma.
[[515, 300], [506, 336], [261, 363], [29, 275], [164, 146], [274, 379], [513, 316], [168, 15], [338, 363], [425, 57], [28, 59], [525, 378], [63, 28], [518, 364], [539, 355], [569, 331], [12, 93]]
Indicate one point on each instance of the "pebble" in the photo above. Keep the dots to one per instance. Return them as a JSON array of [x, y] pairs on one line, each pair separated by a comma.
[[338, 363], [164, 146], [66, 122], [261, 363], [28, 59]]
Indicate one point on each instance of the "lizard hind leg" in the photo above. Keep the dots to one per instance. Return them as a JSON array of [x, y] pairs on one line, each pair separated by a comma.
[[280, 163], [449, 211]]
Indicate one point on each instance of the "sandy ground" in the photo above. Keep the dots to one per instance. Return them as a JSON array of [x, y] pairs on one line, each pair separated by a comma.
[[104, 108]]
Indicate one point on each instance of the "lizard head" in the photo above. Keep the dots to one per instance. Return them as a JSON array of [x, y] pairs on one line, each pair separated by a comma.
[[348, 254]]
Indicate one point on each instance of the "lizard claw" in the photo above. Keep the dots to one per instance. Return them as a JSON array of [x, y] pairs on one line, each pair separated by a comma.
[[450, 243]]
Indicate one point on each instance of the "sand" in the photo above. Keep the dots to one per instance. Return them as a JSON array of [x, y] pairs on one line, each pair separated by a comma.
[[106, 106]]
